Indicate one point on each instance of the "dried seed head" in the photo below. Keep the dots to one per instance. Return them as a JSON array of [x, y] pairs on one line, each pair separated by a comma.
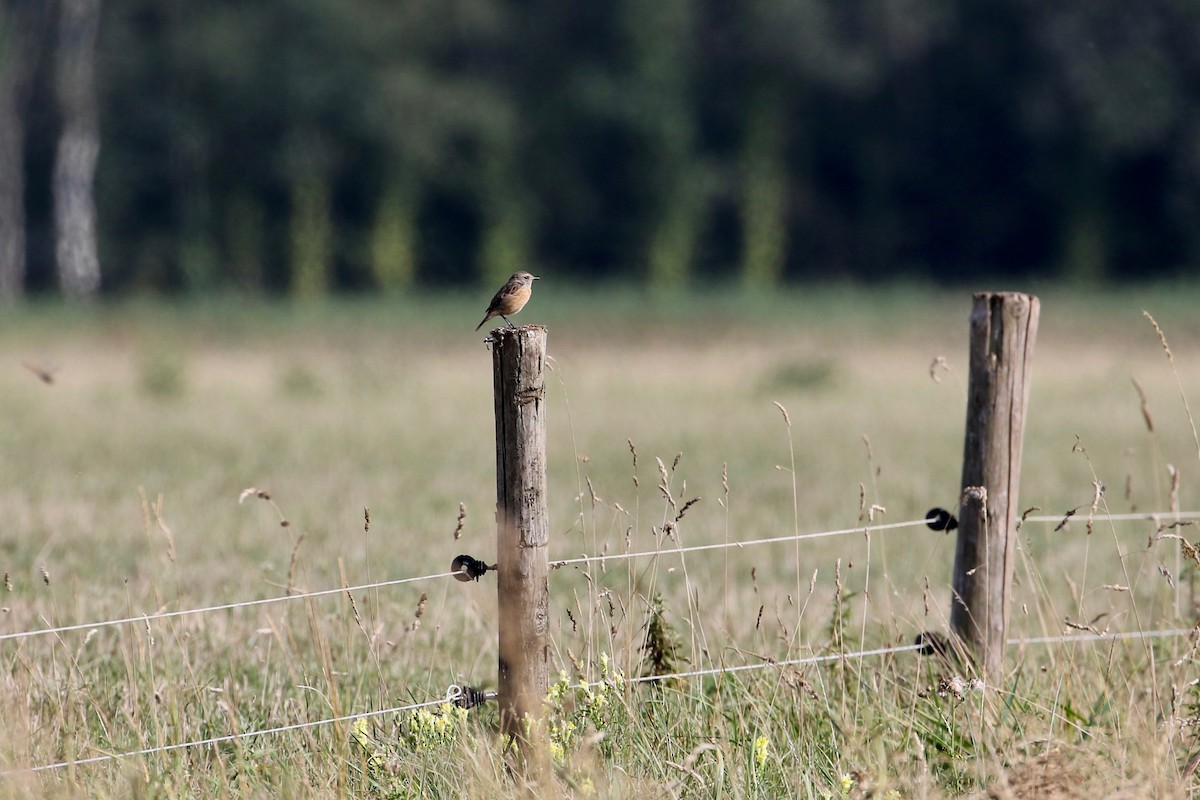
[[416, 623], [1174, 495], [938, 363], [575, 665], [462, 518], [686, 506], [1145, 405], [1162, 337], [787, 420]]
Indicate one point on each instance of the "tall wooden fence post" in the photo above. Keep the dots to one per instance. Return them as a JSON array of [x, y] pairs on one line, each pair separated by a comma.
[[1003, 330], [522, 534]]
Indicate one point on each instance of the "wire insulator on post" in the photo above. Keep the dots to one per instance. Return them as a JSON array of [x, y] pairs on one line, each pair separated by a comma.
[[939, 519], [933, 643], [468, 697], [466, 568]]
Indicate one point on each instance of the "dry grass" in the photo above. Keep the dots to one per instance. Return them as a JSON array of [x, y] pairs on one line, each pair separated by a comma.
[[121, 485]]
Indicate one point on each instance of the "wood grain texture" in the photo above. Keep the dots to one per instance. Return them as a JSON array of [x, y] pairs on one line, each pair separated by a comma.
[[1003, 331], [522, 527]]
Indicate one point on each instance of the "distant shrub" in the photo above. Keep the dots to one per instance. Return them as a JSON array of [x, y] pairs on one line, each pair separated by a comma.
[[161, 373]]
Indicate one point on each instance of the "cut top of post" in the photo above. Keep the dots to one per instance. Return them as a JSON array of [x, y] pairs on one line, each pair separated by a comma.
[[506, 332]]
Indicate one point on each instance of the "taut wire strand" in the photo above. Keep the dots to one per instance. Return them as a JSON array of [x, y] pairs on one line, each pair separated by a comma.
[[241, 604]]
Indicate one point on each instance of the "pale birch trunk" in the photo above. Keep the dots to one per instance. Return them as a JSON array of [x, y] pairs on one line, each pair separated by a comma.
[[78, 149]]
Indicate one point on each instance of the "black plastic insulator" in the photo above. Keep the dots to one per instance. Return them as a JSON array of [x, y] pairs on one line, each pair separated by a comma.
[[468, 696], [933, 643], [939, 519], [466, 568]]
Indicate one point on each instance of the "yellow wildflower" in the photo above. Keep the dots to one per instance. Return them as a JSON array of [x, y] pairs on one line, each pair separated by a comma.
[[762, 749]]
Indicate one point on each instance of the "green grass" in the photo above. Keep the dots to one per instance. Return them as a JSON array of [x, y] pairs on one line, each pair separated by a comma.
[[120, 485]]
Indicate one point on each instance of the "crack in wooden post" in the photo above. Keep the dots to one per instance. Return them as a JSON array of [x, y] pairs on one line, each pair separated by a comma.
[[1003, 331]]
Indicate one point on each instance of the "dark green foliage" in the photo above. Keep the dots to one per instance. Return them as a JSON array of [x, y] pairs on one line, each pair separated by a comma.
[[305, 146], [660, 648], [804, 374]]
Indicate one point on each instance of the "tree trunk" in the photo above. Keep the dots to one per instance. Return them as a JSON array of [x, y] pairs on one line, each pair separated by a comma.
[[311, 234], [12, 178], [21, 29], [664, 63], [395, 235], [78, 149], [763, 198], [505, 246]]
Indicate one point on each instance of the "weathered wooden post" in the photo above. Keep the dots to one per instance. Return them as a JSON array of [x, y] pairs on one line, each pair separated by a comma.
[[1003, 330], [522, 534]]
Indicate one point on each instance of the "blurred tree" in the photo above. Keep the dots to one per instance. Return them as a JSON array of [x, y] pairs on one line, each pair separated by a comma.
[[438, 114], [23, 25], [505, 246], [78, 149], [395, 236], [664, 142], [1118, 98], [763, 196], [662, 39], [245, 243], [190, 152], [311, 233]]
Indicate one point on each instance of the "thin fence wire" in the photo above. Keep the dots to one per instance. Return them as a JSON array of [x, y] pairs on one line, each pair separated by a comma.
[[666, 551], [1100, 637], [229, 737], [224, 607], [883, 651], [768, 664], [1157, 517], [771, 664]]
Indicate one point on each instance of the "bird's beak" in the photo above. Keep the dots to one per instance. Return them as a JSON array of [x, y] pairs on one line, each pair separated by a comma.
[[537, 277]]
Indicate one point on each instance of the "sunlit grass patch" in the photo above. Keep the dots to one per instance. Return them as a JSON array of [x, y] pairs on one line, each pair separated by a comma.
[[127, 498]]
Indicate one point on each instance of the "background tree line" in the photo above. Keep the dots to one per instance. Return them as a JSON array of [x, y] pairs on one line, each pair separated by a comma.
[[305, 146]]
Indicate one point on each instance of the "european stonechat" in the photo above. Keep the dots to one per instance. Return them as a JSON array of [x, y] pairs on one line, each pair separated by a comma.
[[511, 298]]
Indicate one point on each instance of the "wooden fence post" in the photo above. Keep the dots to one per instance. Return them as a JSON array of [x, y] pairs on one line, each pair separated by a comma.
[[1003, 330], [522, 534]]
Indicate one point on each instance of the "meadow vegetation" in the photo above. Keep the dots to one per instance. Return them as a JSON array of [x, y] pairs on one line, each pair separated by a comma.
[[132, 430]]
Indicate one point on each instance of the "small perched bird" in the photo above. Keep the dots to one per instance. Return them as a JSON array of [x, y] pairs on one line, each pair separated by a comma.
[[511, 298]]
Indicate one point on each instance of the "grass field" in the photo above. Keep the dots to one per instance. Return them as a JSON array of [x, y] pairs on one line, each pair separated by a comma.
[[120, 484]]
